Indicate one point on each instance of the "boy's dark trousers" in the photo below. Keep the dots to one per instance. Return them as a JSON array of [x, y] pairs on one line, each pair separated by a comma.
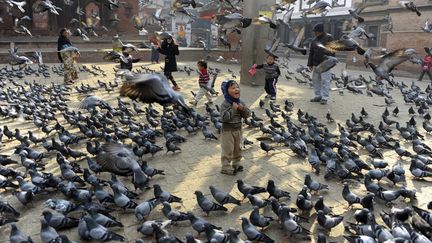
[[423, 73], [270, 86]]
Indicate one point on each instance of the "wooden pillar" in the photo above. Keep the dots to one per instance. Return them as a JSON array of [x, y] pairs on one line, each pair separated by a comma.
[[254, 39]]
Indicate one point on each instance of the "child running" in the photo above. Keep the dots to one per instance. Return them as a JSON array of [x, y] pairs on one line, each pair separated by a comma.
[[272, 73], [203, 84]]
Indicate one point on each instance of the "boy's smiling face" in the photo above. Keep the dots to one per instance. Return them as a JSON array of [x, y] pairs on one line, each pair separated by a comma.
[[234, 91]]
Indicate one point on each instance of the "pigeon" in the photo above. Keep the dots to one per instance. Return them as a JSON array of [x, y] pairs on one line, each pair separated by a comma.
[[259, 220], [252, 233], [319, 205], [59, 221], [303, 204], [276, 192], [144, 209], [223, 197], [389, 61], [122, 200], [7, 209], [256, 201], [146, 228], [410, 6], [151, 88], [17, 236], [207, 205], [165, 196], [355, 13], [172, 214], [98, 232], [296, 45], [348, 196], [105, 220], [247, 189], [266, 147], [314, 185], [48, 234], [328, 222]]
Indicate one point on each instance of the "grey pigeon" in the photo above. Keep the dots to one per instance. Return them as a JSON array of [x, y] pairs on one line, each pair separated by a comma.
[[207, 205], [146, 228], [234, 236], [252, 233], [314, 185], [17, 236], [172, 214], [247, 189], [259, 220], [223, 197], [199, 224], [100, 233], [144, 209], [328, 222], [151, 88], [258, 202], [105, 220], [275, 191], [122, 200], [350, 197], [165, 196], [59, 221], [48, 234]]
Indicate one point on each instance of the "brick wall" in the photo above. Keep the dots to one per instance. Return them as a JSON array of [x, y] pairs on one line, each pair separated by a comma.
[[49, 24]]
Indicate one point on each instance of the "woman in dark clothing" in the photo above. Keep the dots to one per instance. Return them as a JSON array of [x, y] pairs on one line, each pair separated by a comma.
[[63, 42], [170, 49], [68, 55]]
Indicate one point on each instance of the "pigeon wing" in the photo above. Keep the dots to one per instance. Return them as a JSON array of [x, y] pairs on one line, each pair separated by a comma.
[[334, 46], [148, 88], [389, 61], [117, 159], [299, 37]]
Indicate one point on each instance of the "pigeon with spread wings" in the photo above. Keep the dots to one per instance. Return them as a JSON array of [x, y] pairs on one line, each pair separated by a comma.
[[345, 43], [286, 17], [427, 27], [151, 88], [47, 5], [319, 8], [361, 33], [410, 6], [355, 13], [272, 46], [231, 21], [295, 46], [389, 61]]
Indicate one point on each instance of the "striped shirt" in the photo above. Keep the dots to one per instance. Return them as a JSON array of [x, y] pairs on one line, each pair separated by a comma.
[[203, 77], [271, 70]]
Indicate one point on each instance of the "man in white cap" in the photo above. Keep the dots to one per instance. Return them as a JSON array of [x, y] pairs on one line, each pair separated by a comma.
[[317, 54]]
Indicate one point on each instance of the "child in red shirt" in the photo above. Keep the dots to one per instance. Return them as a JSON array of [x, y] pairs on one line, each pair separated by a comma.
[[203, 83], [427, 65]]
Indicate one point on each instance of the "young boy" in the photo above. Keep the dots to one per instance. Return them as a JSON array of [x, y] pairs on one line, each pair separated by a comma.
[[272, 72], [127, 65], [232, 111], [203, 83]]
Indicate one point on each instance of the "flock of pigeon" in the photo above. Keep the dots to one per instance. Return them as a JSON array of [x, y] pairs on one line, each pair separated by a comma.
[[111, 174]]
